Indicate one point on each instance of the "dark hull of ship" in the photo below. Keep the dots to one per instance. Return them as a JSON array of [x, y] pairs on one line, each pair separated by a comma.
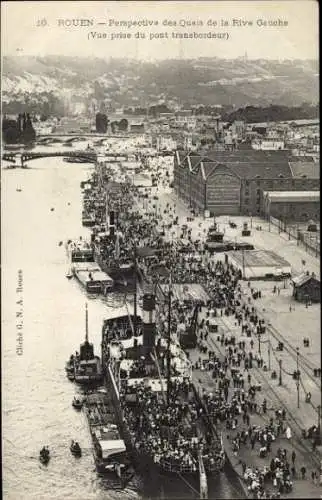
[[142, 461], [94, 288], [118, 275], [88, 380]]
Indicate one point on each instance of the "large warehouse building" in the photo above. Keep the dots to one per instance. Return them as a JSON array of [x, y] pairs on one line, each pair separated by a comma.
[[234, 182], [292, 205]]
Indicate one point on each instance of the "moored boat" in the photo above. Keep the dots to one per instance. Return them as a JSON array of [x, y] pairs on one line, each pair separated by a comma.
[[155, 401], [77, 404], [75, 159], [92, 278], [80, 251], [88, 220], [85, 367], [109, 448]]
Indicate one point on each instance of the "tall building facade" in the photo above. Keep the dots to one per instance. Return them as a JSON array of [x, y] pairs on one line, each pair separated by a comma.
[[233, 182]]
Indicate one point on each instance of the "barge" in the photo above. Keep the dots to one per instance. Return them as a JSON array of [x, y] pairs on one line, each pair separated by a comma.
[[80, 251], [92, 278], [88, 220], [109, 449]]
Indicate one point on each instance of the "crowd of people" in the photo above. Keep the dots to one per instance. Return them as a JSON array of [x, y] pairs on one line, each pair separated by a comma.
[[168, 430], [232, 403]]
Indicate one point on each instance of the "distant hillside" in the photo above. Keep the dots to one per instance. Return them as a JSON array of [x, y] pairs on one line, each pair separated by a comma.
[[275, 113], [59, 83]]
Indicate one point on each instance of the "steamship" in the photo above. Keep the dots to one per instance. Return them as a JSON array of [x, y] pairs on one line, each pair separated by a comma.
[[144, 370], [84, 367], [86, 270], [121, 270]]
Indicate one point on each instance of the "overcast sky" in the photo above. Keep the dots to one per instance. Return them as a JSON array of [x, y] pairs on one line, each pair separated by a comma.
[[299, 39]]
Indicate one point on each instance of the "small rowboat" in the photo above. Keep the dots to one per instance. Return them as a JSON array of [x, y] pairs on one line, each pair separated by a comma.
[[44, 457], [75, 449], [77, 404]]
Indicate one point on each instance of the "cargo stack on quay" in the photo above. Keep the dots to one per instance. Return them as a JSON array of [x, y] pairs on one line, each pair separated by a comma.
[[224, 345]]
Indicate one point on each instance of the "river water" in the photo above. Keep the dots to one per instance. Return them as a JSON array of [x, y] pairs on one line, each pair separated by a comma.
[[43, 314]]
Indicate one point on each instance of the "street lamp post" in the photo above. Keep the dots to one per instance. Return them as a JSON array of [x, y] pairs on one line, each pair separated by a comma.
[[169, 341], [297, 377], [319, 424], [280, 375]]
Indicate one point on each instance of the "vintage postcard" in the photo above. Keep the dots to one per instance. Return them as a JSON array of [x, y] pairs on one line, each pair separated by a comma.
[[160, 229]]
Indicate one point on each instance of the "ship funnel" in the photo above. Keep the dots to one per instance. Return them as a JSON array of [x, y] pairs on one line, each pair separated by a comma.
[[149, 321]]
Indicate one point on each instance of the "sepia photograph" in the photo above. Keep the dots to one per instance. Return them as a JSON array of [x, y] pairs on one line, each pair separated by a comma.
[[160, 250]]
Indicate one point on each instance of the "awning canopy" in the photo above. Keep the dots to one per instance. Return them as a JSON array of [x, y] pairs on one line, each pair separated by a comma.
[[109, 447]]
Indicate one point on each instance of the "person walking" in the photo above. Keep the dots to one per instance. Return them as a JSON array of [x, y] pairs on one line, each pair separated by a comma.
[[293, 457], [303, 471]]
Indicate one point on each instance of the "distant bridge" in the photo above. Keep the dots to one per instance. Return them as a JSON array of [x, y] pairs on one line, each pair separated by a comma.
[[15, 157], [77, 137]]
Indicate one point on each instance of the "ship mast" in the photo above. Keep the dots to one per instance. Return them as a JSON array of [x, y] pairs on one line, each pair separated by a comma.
[[135, 292], [117, 246], [106, 212], [86, 323], [169, 341]]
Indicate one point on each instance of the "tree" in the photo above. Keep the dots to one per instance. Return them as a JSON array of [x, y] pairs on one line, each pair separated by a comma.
[[10, 131], [28, 133], [101, 122], [123, 124], [114, 125]]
